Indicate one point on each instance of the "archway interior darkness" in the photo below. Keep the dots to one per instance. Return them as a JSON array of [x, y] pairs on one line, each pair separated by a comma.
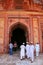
[[42, 40], [18, 35]]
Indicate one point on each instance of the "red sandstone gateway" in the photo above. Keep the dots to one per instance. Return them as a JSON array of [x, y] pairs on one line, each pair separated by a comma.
[[18, 16]]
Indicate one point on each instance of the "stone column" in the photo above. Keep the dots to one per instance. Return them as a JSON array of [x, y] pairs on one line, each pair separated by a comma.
[[35, 30], [1, 35], [31, 30]]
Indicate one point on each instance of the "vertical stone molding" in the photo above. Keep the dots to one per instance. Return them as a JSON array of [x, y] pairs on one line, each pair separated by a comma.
[[35, 29], [1, 35]]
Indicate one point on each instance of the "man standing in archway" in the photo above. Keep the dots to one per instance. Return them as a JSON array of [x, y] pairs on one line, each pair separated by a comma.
[[22, 51], [27, 49], [37, 48], [10, 48], [32, 52]]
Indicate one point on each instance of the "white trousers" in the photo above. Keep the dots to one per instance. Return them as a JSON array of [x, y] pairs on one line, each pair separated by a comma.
[[28, 54], [22, 54], [32, 56], [37, 53]]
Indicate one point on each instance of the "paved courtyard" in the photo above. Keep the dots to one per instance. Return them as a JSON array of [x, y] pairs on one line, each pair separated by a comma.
[[14, 59]]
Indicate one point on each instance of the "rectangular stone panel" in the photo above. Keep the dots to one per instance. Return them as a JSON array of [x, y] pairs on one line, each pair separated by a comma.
[[1, 34], [35, 30]]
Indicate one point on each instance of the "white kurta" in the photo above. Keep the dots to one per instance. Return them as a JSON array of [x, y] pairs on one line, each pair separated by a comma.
[[37, 47], [22, 52], [28, 51], [32, 52]]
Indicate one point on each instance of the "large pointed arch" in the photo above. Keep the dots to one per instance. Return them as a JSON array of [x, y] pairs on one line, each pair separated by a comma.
[[21, 26]]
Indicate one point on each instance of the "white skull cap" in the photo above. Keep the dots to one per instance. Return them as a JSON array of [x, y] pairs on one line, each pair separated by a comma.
[[27, 42], [31, 42], [23, 43]]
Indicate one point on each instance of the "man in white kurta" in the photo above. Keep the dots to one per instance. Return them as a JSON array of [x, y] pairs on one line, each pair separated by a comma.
[[27, 50], [22, 51], [37, 48], [32, 52]]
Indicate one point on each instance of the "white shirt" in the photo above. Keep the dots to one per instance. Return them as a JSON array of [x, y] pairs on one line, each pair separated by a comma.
[[27, 46], [22, 52], [11, 45], [28, 50], [22, 47], [37, 47], [31, 48]]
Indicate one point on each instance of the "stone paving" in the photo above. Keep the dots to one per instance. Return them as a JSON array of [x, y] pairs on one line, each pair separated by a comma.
[[14, 59]]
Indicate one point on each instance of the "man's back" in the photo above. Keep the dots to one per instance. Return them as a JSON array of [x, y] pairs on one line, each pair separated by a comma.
[[11, 45]]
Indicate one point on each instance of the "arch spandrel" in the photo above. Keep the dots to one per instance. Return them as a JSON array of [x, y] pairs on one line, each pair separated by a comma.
[[18, 24]]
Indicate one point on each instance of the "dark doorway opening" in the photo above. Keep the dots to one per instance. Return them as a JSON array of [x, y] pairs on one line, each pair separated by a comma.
[[18, 35], [42, 40]]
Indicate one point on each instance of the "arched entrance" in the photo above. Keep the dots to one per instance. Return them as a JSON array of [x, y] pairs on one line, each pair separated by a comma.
[[18, 33]]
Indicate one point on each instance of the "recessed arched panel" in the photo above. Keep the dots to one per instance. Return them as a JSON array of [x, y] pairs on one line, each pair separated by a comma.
[[18, 26], [18, 32]]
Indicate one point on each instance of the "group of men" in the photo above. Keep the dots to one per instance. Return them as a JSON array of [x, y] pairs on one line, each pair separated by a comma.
[[28, 50]]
